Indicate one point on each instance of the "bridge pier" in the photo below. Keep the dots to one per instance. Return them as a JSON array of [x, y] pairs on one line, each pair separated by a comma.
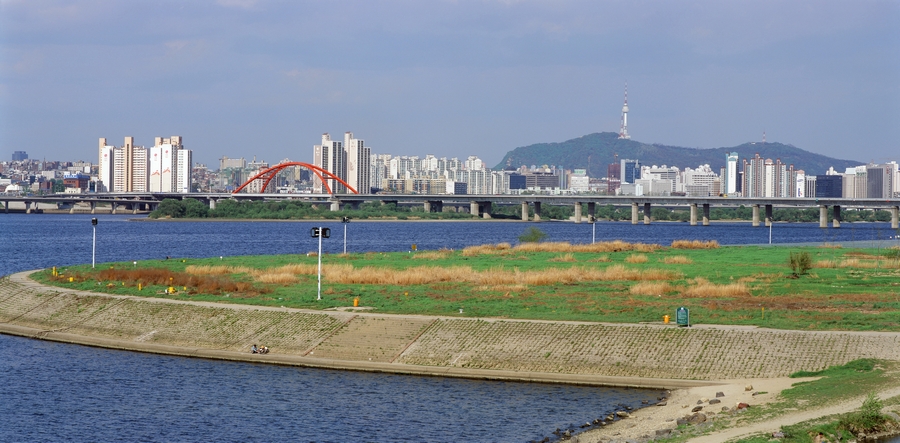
[[427, 206], [646, 213], [577, 212], [93, 207], [823, 216], [474, 208], [768, 215], [634, 213], [537, 211], [6, 207], [114, 206], [895, 217], [335, 205], [524, 211], [693, 214], [592, 210], [706, 214], [836, 219], [28, 207], [212, 204], [486, 213], [134, 208], [755, 222], [72, 209]]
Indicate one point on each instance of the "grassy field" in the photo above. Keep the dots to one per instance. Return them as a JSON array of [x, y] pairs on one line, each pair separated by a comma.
[[845, 289]]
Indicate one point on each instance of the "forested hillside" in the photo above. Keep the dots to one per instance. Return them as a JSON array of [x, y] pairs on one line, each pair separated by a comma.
[[595, 152]]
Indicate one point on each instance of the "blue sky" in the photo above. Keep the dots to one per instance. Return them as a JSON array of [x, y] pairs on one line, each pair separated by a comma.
[[451, 78]]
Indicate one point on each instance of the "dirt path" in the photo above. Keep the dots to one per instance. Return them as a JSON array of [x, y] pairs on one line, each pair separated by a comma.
[[789, 419]]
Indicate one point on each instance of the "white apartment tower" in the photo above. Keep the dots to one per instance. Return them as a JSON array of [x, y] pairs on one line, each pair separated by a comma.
[[164, 167], [105, 163], [330, 156], [731, 173], [359, 166]]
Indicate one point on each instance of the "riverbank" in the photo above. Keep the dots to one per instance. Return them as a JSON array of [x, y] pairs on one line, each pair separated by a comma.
[[695, 362], [647, 354]]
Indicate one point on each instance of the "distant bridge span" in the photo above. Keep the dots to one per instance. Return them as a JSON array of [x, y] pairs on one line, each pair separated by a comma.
[[270, 173], [480, 205]]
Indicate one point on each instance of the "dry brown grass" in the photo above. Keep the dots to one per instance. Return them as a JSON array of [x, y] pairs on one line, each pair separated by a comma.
[[279, 278], [473, 251], [420, 275], [600, 259], [636, 258], [695, 244], [217, 270], [566, 258], [830, 246], [700, 287], [612, 246], [857, 263], [433, 255], [650, 288], [677, 260], [206, 284]]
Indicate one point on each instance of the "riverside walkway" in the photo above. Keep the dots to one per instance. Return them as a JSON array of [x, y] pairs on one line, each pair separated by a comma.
[[638, 355]]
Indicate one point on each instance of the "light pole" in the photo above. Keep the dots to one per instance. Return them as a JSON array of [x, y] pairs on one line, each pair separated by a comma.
[[345, 221], [320, 232], [593, 228], [94, 247]]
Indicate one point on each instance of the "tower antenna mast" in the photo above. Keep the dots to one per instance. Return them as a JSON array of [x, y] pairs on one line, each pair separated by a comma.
[[623, 131]]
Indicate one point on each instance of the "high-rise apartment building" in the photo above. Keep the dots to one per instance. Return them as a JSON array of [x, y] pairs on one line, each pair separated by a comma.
[[330, 156], [359, 166], [731, 173], [105, 166]]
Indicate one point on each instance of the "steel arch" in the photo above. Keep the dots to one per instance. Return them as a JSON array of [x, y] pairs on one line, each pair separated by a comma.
[[270, 173]]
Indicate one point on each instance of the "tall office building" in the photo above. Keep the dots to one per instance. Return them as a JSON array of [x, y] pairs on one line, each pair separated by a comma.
[[359, 166], [630, 170]]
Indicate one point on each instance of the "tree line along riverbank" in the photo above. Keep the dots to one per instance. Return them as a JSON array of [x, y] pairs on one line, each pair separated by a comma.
[[283, 210]]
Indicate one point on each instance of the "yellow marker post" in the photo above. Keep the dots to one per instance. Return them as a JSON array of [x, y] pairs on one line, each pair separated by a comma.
[[140, 287], [764, 313], [356, 302], [666, 319]]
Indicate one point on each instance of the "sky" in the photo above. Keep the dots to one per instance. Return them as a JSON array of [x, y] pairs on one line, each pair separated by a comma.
[[264, 79]]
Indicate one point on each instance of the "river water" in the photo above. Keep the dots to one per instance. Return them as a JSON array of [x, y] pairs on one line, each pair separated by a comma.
[[60, 392]]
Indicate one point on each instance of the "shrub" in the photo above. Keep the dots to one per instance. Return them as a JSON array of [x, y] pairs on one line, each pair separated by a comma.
[[867, 419], [532, 235], [677, 260], [801, 263]]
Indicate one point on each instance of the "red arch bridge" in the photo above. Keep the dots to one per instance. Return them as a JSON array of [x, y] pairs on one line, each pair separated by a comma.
[[268, 174]]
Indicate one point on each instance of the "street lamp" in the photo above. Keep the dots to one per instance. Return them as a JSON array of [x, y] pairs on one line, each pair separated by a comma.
[[94, 247], [320, 233], [345, 221], [593, 221]]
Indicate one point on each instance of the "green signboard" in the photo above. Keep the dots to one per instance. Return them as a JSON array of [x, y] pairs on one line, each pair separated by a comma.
[[683, 316]]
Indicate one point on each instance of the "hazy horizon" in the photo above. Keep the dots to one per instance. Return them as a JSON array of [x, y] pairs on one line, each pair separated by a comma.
[[244, 78]]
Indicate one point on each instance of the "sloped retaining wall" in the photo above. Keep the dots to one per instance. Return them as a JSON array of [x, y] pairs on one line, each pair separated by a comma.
[[595, 353]]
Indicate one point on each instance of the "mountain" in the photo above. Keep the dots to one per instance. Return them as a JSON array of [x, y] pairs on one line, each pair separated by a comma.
[[595, 152]]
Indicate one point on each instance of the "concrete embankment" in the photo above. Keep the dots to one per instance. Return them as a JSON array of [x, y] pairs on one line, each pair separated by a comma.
[[641, 355]]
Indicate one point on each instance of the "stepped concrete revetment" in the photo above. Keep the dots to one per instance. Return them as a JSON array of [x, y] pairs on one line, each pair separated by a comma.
[[648, 355]]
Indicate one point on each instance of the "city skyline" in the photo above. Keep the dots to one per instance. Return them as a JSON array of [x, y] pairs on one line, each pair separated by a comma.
[[241, 78]]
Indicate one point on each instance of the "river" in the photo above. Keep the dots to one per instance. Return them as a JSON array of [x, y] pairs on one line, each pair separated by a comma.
[[55, 392]]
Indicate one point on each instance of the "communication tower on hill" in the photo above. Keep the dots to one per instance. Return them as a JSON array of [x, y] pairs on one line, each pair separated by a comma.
[[623, 131]]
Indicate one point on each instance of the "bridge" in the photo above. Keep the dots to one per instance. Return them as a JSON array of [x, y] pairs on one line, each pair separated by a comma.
[[480, 205]]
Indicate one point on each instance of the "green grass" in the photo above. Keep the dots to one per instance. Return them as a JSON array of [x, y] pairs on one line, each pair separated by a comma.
[[840, 298]]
